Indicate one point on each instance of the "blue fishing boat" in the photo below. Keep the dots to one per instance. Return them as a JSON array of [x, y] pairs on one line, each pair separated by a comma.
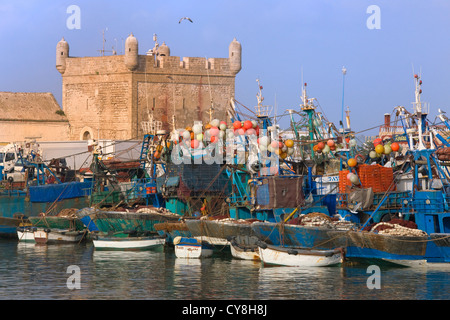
[[192, 248], [271, 184], [419, 230], [31, 187], [375, 221]]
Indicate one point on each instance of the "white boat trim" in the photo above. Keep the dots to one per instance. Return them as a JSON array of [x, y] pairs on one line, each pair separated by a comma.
[[304, 257], [128, 243], [242, 254], [25, 236]]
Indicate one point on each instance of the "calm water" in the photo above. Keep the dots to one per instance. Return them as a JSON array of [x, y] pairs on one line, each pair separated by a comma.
[[29, 271]]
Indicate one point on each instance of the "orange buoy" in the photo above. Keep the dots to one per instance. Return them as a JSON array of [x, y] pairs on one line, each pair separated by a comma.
[[377, 142], [248, 124], [395, 146], [321, 145], [352, 162], [195, 144]]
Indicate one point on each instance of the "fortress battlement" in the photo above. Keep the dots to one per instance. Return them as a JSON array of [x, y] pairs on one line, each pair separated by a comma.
[[107, 97], [76, 66]]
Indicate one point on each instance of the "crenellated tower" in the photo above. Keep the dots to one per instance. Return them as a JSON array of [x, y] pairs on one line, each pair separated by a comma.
[[109, 96], [131, 53], [235, 56], [62, 53]]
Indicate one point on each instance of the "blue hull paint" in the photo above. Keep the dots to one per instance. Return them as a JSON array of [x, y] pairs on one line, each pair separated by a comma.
[[370, 253], [173, 234], [17, 202], [299, 236], [61, 191]]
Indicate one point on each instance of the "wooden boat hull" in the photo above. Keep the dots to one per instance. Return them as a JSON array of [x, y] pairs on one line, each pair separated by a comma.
[[441, 242], [218, 231], [244, 248], [300, 257], [57, 222], [299, 236], [26, 234], [401, 250], [55, 236], [14, 201], [119, 221], [128, 243], [191, 248], [171, 230]]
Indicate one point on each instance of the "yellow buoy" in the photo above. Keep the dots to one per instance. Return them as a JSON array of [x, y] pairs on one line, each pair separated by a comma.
[[379, 149], [289, 143]]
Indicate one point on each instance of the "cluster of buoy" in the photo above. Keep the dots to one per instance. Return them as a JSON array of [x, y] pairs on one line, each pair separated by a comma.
[[199, 136], [330, 145], [325, 147], [281, 148], [383, 149], [246, 127]]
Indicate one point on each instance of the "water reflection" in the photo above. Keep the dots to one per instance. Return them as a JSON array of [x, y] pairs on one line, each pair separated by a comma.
[[300, 283], [30, 271]]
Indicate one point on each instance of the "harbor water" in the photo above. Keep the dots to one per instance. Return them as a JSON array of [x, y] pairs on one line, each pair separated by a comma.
[[29, 272]]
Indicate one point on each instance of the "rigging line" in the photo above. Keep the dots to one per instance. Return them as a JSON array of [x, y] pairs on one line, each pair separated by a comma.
[[246, 115], [245, 107]]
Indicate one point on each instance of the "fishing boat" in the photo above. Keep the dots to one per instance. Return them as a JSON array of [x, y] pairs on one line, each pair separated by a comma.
[[244, 248], [31, 187], [217, 230], [192, 248], [57, 236], [299, 257], [25, 232], [128, 243], [311, 230], [137, 219], [265, 186], [410, 226]]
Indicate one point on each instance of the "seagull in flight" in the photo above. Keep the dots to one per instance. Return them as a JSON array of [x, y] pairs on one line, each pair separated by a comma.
[[185, 18]]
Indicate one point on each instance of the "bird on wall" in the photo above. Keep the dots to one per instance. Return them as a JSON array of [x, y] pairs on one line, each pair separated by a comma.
[[185, 18]]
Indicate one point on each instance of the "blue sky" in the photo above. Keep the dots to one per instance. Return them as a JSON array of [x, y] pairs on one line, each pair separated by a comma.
[[279, 39]]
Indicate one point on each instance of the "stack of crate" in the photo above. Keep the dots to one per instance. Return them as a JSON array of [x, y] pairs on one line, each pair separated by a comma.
[[377, 177], [370, 176], [387, 176], [343, 181]]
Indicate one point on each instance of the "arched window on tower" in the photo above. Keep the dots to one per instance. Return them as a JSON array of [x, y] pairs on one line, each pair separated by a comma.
[[86, 135]]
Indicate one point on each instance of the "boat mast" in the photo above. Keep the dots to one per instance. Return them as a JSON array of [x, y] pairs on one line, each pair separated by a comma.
[[419, 111], [308, 107]]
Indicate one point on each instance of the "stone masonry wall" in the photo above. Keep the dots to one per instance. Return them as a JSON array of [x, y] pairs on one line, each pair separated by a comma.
[[102, 97]]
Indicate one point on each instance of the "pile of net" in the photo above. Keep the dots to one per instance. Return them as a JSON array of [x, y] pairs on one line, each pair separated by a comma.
[[160, 210], [396, 227], [318, 219]]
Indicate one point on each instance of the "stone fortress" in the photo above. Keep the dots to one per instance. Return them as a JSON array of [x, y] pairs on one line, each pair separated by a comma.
[[108, 97]]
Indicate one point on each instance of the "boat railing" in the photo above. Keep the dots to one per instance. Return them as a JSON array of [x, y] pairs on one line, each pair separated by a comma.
[[395, 200], [428, 205]]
